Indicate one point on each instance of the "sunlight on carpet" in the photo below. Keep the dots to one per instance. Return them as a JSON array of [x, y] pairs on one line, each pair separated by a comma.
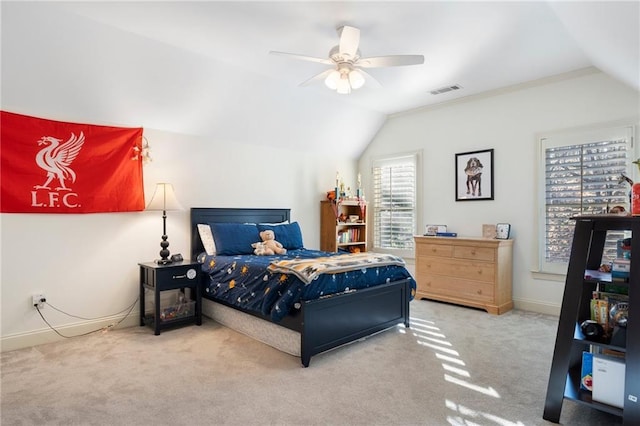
[[429, 335]]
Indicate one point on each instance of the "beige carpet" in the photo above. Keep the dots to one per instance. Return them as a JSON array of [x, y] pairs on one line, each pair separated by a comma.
[[455, 366]]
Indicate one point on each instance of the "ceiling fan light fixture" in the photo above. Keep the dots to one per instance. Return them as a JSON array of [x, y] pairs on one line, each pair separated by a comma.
[[344, 88], [356, 79], [332, 80], [347, 60]]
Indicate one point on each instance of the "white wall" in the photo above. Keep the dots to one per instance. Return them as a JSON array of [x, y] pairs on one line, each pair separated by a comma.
[[507, 122], [87, 264], [210, 127]]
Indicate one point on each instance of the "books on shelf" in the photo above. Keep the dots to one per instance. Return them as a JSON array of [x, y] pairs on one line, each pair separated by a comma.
[[351, 235], [603, 368], [586, 374], [601, 374]]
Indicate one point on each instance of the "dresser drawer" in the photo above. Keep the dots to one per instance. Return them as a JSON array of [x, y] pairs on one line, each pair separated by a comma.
[[474, 253], [170, 277], [440, 250], [178, 275], [477, 271], [456, 288]]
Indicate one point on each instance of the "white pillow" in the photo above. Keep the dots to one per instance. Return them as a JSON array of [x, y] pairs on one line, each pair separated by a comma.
[[207, 238], [286, 222]]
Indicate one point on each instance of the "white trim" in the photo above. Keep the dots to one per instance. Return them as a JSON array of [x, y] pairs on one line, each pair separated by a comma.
[[548, 276], [46, 335], [536, 306]]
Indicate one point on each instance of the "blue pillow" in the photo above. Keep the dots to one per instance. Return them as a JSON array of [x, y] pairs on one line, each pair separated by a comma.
[[234, 238], [288, 234]]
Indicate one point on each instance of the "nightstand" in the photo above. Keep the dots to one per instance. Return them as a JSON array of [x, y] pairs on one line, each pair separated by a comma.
[[174, 276]]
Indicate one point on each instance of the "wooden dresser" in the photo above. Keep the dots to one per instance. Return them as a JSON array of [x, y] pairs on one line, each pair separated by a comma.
[[474, 272]]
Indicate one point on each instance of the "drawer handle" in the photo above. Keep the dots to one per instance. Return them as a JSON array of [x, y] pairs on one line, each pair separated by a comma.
[[177, 277]]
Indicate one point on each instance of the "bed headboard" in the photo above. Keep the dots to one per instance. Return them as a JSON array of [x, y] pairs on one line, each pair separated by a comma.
[[234, 215]]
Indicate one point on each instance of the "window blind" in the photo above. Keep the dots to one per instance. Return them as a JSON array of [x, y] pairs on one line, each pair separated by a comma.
[[394, 202], [582, 179]]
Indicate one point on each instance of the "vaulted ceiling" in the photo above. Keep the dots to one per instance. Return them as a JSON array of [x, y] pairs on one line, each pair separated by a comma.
[[204, 67]]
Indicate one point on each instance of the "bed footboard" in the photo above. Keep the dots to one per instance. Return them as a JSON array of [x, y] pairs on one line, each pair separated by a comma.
[[337, 320]]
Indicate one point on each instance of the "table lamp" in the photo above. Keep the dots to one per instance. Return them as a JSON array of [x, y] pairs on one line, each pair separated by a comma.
[[164, 199]]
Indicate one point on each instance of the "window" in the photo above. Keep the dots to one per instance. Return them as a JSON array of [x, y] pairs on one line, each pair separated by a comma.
[[582, 173], [394, 202]]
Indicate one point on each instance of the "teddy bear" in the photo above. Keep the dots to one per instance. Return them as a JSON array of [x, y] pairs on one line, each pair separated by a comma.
[[259, 249], [269, 245]]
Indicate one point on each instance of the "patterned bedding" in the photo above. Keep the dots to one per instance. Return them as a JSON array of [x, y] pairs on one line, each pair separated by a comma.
[[253, 283]]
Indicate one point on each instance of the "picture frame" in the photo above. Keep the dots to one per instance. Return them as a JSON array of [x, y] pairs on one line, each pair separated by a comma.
[[474, 175], [432, 230], [488, 231]]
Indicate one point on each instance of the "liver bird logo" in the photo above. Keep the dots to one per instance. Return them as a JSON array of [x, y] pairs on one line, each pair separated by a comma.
[[55, 159]]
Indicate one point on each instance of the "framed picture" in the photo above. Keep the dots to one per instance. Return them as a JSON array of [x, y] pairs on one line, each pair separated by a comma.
[[474, 175], [432, 230]]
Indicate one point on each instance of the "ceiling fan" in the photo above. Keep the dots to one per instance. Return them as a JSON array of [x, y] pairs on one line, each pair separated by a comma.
[[346, 72]]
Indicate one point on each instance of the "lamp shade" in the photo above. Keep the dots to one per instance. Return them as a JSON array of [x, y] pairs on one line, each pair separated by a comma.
[[356, 79], [344, 88], [332, 80], [164, 198]]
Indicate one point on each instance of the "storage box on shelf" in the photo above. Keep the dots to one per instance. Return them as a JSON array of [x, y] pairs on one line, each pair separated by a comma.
[[179, 306], [343, 225], [616, 348]]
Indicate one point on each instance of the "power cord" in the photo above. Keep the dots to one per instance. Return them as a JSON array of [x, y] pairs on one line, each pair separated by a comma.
[[128, 309]]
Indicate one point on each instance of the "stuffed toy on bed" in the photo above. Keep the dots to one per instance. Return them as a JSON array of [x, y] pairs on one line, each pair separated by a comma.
[[259, 249], [269, 246]]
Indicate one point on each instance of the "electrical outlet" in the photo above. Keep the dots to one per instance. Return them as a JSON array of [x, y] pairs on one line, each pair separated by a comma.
[[38, 300]]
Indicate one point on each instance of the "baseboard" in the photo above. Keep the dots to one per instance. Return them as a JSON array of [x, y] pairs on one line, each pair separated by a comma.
[[535, 306], [40, 337]]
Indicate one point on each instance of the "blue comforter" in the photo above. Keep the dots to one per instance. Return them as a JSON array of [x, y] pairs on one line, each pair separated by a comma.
[[244, 281]]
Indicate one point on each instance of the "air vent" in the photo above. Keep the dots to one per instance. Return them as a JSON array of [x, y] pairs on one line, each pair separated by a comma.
[[446, 89]]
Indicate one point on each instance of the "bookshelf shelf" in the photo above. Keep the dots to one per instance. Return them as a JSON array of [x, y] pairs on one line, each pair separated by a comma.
[[343, 235], [582, 279]]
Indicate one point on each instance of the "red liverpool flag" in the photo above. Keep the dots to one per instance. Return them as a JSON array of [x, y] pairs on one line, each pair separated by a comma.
[[56, 167]]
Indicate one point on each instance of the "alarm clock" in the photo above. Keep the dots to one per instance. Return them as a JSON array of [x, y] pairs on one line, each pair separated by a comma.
[[502, 231]]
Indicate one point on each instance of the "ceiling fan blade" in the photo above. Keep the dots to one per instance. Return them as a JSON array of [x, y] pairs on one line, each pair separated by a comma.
[[303, 57], [390, 61], [369, 79], [318, 77], [349, 41]]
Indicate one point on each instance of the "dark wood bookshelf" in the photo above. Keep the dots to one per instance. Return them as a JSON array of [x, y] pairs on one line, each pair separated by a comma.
[[582, 279]]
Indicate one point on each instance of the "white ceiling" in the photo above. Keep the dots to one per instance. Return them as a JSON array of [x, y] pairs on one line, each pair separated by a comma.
[[480, 46]]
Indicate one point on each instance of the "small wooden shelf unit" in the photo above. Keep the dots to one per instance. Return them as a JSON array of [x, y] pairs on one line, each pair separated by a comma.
[[336, 234], [474, 272]]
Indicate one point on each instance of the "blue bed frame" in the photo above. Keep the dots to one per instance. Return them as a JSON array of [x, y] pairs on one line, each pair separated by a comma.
[[325, 323]]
